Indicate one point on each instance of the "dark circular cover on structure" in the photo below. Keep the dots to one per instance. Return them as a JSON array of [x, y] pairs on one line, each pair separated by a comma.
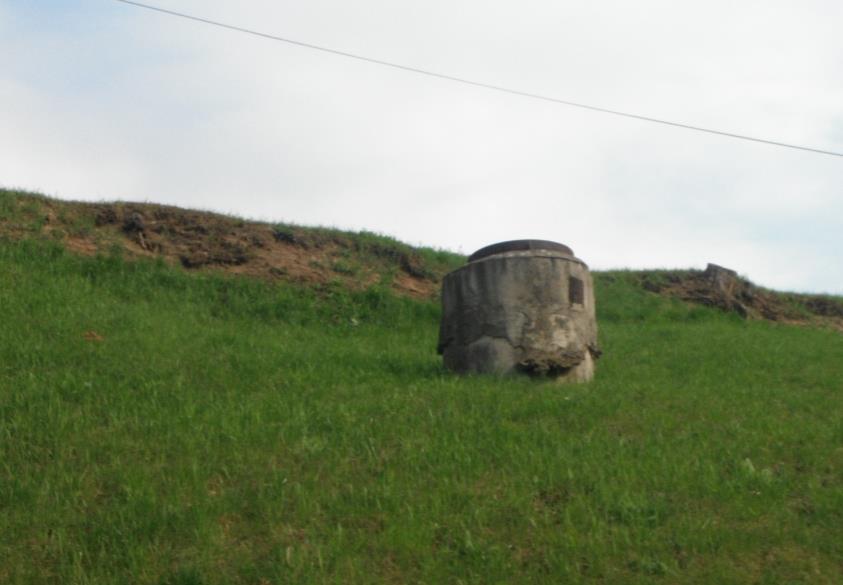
[[520, 246]]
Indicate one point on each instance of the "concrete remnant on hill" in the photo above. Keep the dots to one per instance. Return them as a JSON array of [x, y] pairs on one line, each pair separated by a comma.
[[721, 287], [520, 306], [134, 223]]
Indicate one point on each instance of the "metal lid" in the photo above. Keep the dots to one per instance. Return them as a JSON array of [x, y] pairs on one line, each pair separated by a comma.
[[520, 246]]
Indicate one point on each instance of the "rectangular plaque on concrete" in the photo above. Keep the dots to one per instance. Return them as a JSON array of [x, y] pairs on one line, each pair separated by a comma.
[[576, 292]]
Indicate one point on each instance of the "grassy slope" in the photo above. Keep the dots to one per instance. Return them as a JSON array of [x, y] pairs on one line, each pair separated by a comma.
[[203, 241], [217, 430]]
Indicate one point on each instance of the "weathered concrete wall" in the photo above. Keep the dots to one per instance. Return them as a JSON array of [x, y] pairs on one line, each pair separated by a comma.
[[526, 311]]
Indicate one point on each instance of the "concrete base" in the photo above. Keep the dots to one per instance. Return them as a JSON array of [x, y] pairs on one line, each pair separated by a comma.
[[526, 312]]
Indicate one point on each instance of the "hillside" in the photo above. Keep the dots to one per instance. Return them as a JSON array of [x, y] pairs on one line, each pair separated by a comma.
[[163, 421], [323, 257], [199, 240]]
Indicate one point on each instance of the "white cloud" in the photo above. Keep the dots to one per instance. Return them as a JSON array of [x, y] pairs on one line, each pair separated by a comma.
[[144, 106]]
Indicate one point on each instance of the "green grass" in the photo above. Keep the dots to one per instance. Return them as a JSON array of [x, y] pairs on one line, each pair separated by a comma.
[[229, 431]]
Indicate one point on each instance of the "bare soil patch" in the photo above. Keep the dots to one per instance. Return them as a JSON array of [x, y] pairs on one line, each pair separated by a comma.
[[723, 289], [201, 241]]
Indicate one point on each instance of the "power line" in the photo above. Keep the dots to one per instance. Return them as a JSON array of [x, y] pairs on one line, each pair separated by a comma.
[[478, 83]]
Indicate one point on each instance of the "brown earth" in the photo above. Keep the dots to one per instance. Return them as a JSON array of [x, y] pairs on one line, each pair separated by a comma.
[[723, 289], [201, 241]]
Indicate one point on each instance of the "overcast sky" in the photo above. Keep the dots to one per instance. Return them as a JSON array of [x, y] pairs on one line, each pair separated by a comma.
[[101, 100]]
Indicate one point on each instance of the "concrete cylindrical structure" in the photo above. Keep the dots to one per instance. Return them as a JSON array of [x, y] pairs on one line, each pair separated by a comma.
[[520, 306]]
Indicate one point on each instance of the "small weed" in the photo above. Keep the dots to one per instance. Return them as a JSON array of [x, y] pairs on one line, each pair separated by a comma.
[[29, 206], [344, 267], [82, 226], [38, 224], [8, 205]]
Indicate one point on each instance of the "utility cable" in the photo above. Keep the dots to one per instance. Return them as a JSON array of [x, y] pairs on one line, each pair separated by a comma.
[[479, 83]]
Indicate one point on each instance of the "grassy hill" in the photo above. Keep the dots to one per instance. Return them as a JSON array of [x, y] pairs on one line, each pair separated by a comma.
[[168, 426], [203, 241]]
